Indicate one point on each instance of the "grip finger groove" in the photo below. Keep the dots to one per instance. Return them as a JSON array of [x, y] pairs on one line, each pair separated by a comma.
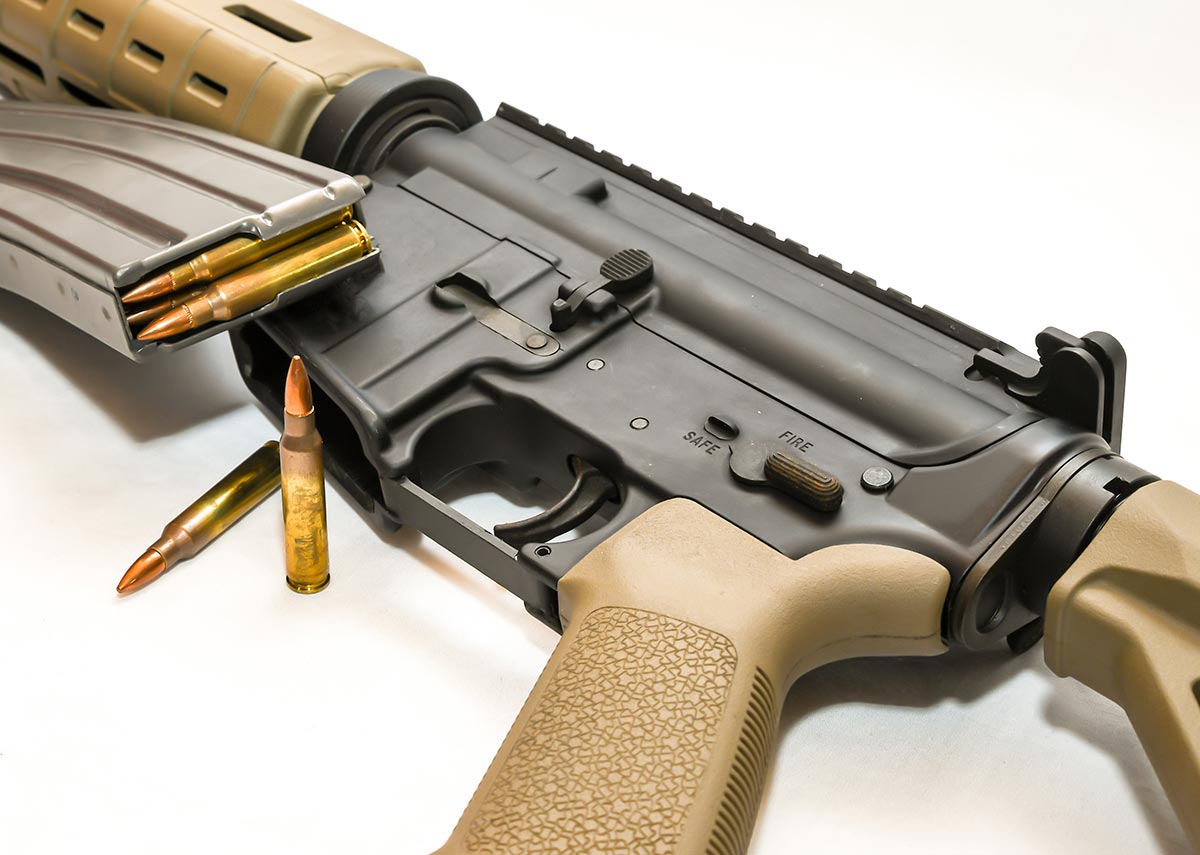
[[739, 806]]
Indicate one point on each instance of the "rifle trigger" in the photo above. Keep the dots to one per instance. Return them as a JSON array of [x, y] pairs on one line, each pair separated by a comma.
[[592, 488]]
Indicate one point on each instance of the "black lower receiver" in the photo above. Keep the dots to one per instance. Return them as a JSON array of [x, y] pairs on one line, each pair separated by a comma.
[[551, 314]]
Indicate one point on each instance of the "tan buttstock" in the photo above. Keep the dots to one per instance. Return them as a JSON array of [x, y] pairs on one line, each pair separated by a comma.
[[261, 70], [651, 729], [1125, 620]]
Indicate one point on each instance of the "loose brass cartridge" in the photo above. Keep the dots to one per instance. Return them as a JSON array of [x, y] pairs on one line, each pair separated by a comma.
[[303, 477], [226, 258], [205, 519], [260, 283]]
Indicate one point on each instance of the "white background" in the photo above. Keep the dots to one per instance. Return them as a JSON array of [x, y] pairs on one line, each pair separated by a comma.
[[1016, 165]]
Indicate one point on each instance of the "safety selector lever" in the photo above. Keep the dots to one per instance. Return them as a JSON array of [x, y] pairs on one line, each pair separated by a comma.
[[622, 272]]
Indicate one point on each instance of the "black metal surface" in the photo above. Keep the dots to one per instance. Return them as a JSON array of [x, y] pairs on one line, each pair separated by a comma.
[[736, 347], [359, 128], [1005, 593], [889, 297], [620, 273], [591, 490], [1081, 380], [461, 289]]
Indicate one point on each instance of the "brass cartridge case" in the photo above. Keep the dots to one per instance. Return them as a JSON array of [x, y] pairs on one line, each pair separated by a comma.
[[226, 258], [306, 540], [260, 283], [208, 517]]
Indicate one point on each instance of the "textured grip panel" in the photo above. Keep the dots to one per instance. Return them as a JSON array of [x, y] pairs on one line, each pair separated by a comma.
[[651, 730], [635, 685], [261, 70]]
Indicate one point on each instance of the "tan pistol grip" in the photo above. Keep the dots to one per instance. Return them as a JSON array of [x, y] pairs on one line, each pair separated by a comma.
[[651, 729], [261, 70], [1125, 621]]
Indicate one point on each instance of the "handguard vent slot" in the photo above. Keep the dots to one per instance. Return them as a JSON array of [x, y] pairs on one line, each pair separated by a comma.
[[142, 54], [266, 22], [207, 89], [86, 25], [739, 806], [81, 95], [22, 62]]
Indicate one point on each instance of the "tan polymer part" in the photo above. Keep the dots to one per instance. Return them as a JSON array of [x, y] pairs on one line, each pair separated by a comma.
[[1125, 621], [651, 729], [202, 61]]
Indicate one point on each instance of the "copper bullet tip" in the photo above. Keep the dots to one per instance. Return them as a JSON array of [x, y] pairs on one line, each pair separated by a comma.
[[142, 572], [173, 322], [163, 283], [297, 392]]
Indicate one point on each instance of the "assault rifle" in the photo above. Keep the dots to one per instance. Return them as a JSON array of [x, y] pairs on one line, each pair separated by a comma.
[[768, 462]]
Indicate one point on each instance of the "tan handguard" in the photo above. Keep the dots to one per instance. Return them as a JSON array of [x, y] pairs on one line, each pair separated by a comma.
[[261, 70], [651, 729], [1125, 620]]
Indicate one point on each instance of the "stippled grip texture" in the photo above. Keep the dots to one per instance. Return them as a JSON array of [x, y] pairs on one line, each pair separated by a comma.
[[652, 727], [261, 70], [1125, 620], [627, 681]]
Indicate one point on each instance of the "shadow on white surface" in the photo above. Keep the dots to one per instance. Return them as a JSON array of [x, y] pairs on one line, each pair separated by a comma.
[[1113, 735], [147, 400], [454, 570], [961, 678]]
